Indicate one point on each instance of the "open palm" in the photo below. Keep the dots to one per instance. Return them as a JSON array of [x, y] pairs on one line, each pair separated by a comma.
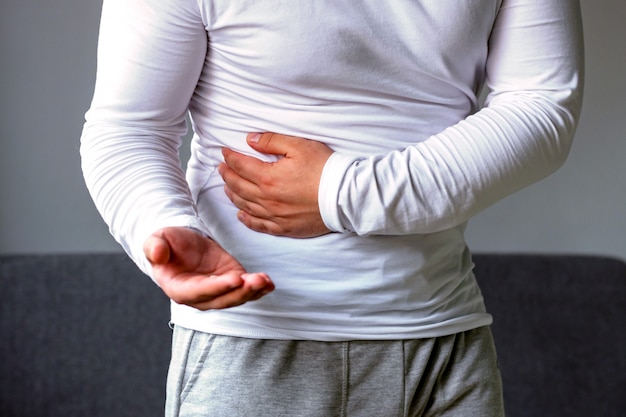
[[194, 270]]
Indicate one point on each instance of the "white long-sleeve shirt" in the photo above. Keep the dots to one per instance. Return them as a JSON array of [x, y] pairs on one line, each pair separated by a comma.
[[392, 87]]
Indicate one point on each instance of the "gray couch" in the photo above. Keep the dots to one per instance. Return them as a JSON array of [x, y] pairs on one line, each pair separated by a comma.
[[87, 335]]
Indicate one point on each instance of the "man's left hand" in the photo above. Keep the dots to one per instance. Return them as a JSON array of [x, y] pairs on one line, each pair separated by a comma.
[[278, 198]]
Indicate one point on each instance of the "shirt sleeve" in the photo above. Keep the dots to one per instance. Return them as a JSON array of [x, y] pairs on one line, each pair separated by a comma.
[[534, 73], [150, 56]]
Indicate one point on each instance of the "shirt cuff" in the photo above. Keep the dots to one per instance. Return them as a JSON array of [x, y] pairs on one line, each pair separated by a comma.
[[328, 194]]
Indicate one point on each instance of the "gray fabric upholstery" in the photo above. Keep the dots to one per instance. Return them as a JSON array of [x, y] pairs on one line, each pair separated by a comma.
[[559, 330], [81, 336], [87, 335]]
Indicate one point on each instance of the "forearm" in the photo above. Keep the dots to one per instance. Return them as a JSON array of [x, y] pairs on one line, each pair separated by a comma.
[[136, 184], [148, 63], [522, 135], [442, 182]]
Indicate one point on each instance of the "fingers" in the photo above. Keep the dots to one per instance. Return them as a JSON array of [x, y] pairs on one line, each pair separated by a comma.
[[245, 202], [217, 292], [255, 286], [248, 183], [247, 167], [286, 146], [238, 184], [271, 143], [259, 223], [299, 227]]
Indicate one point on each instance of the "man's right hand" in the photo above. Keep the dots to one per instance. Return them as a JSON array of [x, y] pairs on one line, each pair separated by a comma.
[[194, 270]]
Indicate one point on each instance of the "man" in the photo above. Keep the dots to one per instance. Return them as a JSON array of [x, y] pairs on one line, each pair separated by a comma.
[[340, 148]]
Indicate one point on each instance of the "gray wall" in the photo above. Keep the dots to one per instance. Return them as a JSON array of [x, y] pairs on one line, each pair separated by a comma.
[[47, 64]]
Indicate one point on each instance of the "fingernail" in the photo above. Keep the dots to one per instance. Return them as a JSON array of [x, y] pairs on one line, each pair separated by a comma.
[[254, 137]]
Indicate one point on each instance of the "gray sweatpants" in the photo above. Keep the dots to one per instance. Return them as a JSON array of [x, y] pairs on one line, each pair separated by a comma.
[[221, 376]]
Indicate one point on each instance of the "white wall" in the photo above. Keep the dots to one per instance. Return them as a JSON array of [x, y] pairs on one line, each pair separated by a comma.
[[47, 64]]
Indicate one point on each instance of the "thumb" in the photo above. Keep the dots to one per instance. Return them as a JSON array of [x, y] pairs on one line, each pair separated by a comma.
[[157, 250], [269, 143]]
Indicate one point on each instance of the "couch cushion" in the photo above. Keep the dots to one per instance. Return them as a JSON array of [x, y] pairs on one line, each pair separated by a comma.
[[560, 332], [87, 335], [82, 335]]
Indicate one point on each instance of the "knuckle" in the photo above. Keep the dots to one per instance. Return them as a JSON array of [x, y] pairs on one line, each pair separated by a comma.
[[275, 207], [266, 182]]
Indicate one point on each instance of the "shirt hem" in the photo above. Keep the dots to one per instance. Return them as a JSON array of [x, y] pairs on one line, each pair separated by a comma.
[[200, 322]]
